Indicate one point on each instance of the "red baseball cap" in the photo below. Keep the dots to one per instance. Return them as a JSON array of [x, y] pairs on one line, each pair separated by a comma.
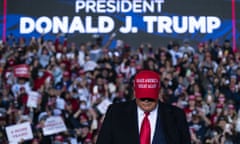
[[66, 74], [191, 97], [147, 84], [59, 138], [231, 106]]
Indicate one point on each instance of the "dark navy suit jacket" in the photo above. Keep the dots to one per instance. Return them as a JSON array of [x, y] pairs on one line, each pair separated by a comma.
[[120, 125]]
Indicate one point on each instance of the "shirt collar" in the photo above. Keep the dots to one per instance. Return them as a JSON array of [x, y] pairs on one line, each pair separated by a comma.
[[141, 112]]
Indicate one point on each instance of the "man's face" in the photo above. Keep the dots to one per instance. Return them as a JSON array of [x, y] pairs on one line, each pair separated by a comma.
[[147, 105]]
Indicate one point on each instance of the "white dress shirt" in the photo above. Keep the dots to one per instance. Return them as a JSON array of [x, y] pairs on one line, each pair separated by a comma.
[[152, 118]]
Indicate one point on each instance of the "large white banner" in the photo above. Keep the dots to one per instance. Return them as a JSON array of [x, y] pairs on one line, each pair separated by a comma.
[[19, 132], [53, 125], [135, 22]]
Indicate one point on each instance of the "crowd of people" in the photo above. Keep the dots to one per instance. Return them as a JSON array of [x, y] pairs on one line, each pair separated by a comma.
[[77, 81]]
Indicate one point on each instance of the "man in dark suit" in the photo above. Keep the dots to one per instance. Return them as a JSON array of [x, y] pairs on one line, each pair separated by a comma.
[[125, 122]]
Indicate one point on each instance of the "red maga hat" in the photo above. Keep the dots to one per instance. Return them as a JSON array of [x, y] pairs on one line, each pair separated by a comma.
[[231, 106], [191, 97], [66, 74], [147, 84]]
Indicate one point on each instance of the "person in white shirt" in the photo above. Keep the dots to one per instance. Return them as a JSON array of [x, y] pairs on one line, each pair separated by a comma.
[[175, 53], [187, 48]]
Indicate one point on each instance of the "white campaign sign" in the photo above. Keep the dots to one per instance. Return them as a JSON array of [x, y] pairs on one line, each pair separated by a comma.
[[103, 106], [33, 99], [53, 125], [19, 132]]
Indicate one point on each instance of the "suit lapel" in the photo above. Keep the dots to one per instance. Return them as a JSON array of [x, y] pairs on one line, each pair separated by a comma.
[[159, 134], [133, 118], [168, 121]]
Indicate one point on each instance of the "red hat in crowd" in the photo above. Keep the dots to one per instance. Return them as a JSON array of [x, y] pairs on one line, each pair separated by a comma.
[[11, 62], [178, 69], [66, 74], [221, 98], [83, 116], [191, 97], [81, 72], [59, 138], [35, 140], [201, 45], [120, 75], [138, 67], [231, 106], [219, 106], [147, 84], [196, 56]]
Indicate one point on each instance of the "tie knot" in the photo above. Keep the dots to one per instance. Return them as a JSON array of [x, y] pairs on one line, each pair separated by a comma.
[[146, 113]]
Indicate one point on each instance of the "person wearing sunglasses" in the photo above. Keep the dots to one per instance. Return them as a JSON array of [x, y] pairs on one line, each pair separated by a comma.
[[145, 119]]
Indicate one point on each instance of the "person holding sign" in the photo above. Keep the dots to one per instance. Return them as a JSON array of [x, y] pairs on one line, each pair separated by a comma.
[[144, 120]]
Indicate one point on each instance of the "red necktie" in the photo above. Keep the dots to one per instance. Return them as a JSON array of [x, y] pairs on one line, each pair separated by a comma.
[[145, 131]]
